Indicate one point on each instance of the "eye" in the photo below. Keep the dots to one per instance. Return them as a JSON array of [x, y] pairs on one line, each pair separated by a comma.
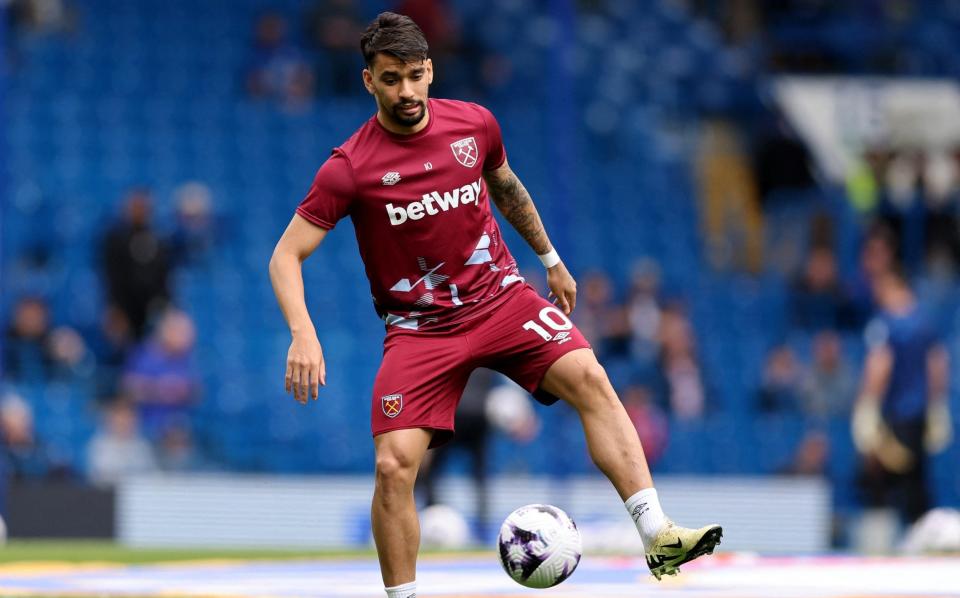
[[417, 76]]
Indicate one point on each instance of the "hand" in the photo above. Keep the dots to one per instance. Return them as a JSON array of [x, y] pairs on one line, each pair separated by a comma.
[[306, 371], [563, 288]]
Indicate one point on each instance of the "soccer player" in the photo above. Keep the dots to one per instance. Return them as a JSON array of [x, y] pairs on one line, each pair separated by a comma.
[[902, 413], [417, 179]]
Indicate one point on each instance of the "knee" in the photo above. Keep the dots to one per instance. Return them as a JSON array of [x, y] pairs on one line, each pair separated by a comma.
[[592, 387], [592, 379], [395, 472]]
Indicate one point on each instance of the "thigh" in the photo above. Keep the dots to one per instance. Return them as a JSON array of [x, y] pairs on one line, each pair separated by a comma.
[[525, 338], [419, 384]]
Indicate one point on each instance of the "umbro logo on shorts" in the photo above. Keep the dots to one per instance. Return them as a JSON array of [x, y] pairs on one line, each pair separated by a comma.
[[391, 405]]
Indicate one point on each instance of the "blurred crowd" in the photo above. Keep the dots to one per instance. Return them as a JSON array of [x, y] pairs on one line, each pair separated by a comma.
[[321, 57], [139, 362]]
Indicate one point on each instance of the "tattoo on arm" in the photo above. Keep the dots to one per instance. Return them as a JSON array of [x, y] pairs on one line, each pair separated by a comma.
[[517, 207]]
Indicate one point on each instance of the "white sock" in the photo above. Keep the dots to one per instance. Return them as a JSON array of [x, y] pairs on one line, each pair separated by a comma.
[[407, 590], [644, 507]]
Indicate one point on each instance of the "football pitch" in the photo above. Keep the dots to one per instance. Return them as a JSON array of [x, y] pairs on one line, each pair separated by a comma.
[[104, 570]]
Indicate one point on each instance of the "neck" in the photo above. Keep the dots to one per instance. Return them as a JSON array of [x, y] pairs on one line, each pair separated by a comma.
[[390, 125]]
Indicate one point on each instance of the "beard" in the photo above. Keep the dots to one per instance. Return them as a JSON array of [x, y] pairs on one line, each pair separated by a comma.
[[408, 121]]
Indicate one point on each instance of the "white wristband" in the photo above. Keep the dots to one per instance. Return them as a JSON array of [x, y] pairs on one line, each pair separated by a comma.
[[550, 258]]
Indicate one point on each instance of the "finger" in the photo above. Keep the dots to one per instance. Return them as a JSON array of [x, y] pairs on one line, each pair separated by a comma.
[[296, 382], [287, 378], [572, 301], [303, 389], [323, 372], [315, 381]]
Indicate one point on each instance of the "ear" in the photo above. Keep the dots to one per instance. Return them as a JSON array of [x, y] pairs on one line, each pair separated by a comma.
[[429, 64], [368, 81]]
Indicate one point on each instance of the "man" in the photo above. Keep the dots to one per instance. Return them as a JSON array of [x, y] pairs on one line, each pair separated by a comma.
[[902, 411], [415, 179], [136, 263]]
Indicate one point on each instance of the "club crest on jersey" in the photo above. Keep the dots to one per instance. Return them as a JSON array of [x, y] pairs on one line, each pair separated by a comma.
[[391, 178], [392, 405], [465, 151]]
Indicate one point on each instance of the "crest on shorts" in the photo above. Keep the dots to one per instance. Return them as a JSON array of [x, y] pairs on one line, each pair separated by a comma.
[[391, 404], [465, 151]]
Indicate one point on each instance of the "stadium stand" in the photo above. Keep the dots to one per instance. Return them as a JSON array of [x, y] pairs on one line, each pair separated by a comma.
[[152, 94]]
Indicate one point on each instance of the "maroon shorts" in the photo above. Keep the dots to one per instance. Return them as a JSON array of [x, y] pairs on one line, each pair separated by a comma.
[[423, 373]]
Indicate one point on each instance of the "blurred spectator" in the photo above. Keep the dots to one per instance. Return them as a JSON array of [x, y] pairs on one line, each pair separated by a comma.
[[829, 386], [24, 456], [118, 450], [643, 311], [110, 344], [782, 381], [278, 70], [603, 322], [678, 362], [941, 184], [729, 206], [902, 207], [194, 234], [649, 420], [818, 298], [334, 26], [159, 376], [811, 455], [33, 352], [42, 16], [136, 262], [177, 451]]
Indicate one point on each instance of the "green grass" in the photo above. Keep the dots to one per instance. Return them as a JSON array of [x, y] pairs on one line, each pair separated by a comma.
[[79, 551]]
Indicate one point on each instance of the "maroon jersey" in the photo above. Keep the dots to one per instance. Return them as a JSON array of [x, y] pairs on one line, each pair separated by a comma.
[[429, 242]]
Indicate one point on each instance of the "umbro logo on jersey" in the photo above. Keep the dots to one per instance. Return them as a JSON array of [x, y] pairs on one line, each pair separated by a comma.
[[433, 203], [465, 151], [391, 178]]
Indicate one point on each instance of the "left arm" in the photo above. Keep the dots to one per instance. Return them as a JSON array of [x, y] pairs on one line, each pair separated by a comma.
[[939, 432], [514, 202]]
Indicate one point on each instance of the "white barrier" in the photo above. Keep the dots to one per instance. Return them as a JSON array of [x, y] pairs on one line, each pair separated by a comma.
[[759, 514]]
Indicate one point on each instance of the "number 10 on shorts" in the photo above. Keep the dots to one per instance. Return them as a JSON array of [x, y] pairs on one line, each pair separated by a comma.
[[552, 318]]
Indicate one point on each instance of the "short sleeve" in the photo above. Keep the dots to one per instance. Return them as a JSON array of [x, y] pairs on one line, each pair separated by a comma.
[[876, 334], [496, 154], [331, 193]]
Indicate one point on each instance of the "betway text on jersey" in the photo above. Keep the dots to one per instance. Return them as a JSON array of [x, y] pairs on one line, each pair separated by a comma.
[[433, 203]]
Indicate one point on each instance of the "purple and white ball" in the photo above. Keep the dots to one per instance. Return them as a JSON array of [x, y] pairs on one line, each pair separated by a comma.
[[540, 546]]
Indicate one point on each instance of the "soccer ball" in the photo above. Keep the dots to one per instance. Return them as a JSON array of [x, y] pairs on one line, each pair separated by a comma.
[[540, 546], [443, 527]]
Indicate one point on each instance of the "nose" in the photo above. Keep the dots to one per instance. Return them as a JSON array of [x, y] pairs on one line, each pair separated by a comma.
[[406, 90]]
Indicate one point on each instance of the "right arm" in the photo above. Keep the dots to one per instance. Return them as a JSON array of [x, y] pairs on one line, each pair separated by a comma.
[[306, 370]]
